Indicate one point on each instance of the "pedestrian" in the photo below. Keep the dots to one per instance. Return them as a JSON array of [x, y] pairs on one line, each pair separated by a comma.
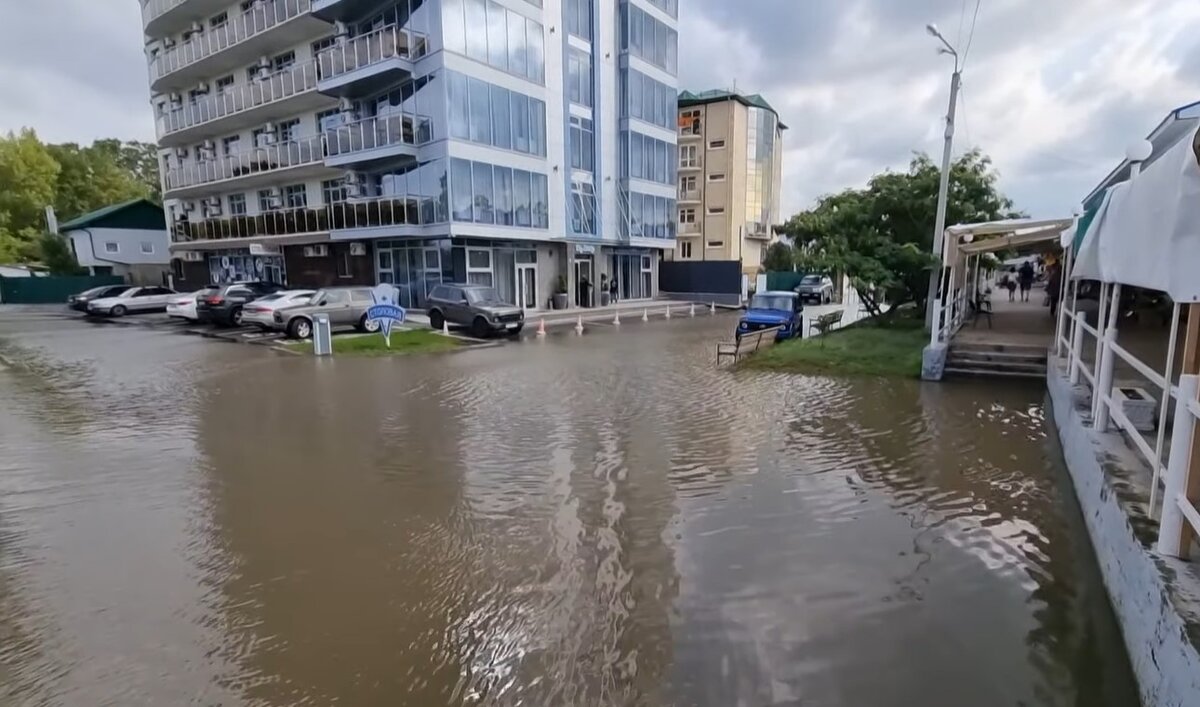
[[1025, 278], [612, 289], [585, 292], [1053, 285], [1009, 282], [604, 288]]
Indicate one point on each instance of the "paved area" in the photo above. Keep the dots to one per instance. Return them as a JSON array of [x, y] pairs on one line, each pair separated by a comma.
[[1023, 323]]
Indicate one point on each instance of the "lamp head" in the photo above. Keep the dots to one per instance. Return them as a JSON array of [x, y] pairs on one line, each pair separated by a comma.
[[932, 30]]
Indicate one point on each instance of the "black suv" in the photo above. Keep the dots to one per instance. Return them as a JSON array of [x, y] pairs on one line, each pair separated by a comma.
[[224, 305], [476, 306]]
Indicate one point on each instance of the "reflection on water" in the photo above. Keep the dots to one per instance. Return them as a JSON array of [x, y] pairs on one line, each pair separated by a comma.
[[605, 520]]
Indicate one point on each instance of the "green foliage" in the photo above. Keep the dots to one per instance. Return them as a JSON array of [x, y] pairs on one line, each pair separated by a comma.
[[860, 349], [881, 236], [404, 341], [73, 179], [779, 257], [58, 256]]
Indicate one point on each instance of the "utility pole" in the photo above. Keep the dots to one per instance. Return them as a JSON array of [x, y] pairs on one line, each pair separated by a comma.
[[939, 226]]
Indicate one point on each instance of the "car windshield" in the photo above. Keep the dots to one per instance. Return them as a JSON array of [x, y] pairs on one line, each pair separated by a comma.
[[780, 302], [120, 293], [270, 298], [95, 291], [811, 280], [482, 295]]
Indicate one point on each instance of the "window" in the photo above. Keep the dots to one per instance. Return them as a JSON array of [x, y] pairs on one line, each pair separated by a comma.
[[687, 184], [687, 216], [343, 264], [112, 247], [224, 83], [714, 210], [579, 18], [501, 118], [283, 61], [689, 122], [715, 244], [497, 35], [718, 177], [685, 249], [322, 44], [460, 183], [688, 156], [288, 130], [237, 204], [483, 192], [583, 207], [229, 145], [480, 111], [716, 144], [329, 120], [218, 19], [579, 78], [522, 206], [582, 146], [503, 182], [267, 200], [334, 191], [295, 196], [488, 32], [647, 38], [479, 266], [147, 248]]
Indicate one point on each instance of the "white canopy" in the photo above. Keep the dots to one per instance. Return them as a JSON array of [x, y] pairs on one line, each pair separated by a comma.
[[1146, 232], [973, 238]]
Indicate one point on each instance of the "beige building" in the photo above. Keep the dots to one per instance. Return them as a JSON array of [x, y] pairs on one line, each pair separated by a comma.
[[730, 169]]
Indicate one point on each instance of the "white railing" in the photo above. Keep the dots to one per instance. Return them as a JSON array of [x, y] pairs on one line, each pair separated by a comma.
[[257, 160], [153, 9], [380, 131], [689, 228], [385, 43], [291, 81], [1169, 473], [370, 212], [689, 195], [689, 164], [251, 23]]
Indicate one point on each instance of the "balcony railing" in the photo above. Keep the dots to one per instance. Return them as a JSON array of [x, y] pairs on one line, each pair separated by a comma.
[[689, 228], [153, 9], [253, 22], [689, 164], [381, 131], [372, 212], [689, 195], [258, 160], [214, 106], [386, 43]]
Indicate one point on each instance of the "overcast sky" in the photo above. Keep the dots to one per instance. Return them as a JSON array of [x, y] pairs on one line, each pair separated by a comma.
[[1054, 90]]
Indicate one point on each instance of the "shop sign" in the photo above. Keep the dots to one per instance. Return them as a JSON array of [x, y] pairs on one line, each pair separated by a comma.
[[385, 311]]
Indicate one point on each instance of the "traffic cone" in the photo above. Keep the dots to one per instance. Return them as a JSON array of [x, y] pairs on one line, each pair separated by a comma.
[[616, 319], [542, 327], [692, 311], [445, 328], [579, 325], [645, 315]]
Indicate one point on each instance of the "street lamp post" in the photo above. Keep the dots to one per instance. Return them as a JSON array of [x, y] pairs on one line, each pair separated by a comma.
[[939, 226]]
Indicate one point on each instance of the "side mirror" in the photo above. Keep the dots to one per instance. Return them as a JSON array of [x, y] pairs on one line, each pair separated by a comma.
[[322, 302]]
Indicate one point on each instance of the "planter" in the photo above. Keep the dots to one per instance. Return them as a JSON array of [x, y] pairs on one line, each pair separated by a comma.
[[559, 301], [605, 299]]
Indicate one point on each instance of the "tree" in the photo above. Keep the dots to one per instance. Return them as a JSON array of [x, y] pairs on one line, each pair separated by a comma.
[[881, 236], [138, 159], [58, 256], [90, 178], [779, 257], [28, 174]]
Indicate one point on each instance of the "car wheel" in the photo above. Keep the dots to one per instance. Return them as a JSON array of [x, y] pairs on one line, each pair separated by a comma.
[[480, 328], [118, 311], [368, 325], [436, 320], [300, 328], [235, 317]]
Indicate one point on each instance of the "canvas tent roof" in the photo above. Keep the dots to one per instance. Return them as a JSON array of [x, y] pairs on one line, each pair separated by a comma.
[[1146, 232], [1001, 235]]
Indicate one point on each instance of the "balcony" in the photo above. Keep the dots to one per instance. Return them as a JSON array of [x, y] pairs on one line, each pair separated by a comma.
[[232, 45], [258, 166], [345, 10], [370, 62], [279, 95], [689, 195], [689, 229], [689, 165], [690, 134], [379, 138], [300, 225], [161, 18]]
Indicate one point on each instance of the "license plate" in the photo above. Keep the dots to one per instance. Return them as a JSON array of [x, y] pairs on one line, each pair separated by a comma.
[[511, 326]]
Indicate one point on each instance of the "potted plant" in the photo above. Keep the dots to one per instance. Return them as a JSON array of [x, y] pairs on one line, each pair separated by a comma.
[[560, 293]]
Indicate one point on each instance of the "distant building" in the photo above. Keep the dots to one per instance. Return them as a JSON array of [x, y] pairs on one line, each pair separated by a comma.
[[128, 239], [12, 270], [730, 169]]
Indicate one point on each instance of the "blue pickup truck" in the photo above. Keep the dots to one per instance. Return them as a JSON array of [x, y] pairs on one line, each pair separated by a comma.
[[773, 309]]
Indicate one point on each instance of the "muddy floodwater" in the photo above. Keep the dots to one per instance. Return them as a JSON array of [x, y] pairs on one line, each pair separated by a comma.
[[598, 520]]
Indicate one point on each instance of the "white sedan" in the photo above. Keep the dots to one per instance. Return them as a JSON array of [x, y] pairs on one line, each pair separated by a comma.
[[184, 306], [135, 299], [261, 312]]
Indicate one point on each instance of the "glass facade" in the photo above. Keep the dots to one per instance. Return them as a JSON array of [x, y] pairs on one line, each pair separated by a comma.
[[579, 78], [579, 18], [648, 39], [583, 208], [646, 99], [582, 146], [486, 31], [423, 184], [644, 157], [495, 194], [761, 132], [649, 217], [490, 115]]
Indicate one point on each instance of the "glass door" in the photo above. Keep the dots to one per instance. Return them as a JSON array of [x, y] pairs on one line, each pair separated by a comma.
[[583, 294], [527, 286]]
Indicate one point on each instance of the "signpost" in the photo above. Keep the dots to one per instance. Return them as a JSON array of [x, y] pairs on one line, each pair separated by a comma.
[[385, 312]]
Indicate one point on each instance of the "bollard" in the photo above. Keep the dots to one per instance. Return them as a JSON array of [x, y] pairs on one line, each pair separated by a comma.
[[542, 327], [668, 311], [579, 325], [616, 319], [445, 328], [692, 311], [712, 308], [645, 315], [322, 335]]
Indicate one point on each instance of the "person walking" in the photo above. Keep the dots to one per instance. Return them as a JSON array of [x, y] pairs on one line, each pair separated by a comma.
[[1025, 279], [1009, 283], [612, 289], [1053, 285]]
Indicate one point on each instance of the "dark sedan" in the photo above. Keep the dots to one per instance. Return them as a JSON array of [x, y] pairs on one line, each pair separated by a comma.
[[223, 306], [80, 301]]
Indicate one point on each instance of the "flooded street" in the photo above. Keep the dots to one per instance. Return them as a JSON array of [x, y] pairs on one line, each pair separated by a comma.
[[598, 520]]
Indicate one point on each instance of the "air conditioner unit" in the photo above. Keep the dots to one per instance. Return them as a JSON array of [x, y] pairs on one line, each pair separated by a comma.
[[188, 206], [358, 249], [346, 105], [209, 146], [192, 256], [203, 87], [354, 189], [175, 98], [213, 201], [274, 192], [181, 153], [265, 64], [168, 42], [196, 28], [268, 127]]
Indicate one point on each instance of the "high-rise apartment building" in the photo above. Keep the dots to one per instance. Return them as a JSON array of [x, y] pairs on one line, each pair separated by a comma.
[[730, 170], [525, 144]]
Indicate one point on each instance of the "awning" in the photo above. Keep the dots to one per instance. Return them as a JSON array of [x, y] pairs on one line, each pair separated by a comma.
[[974, 238], [1146, 232]]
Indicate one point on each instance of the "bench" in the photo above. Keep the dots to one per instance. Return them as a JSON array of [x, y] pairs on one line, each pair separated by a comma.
[[746, 344], [825, 322]]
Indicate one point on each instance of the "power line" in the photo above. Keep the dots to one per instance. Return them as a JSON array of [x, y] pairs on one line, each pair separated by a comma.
[[971, 35], [962, 19]]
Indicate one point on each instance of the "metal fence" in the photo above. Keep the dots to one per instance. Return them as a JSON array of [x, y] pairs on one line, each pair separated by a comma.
[[254, 21], [50, 290]]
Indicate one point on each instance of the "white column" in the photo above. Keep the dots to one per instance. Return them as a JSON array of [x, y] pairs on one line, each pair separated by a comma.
[[1162, 408], [1101, 318], [1104, 374], [1170, 525], [1075, 360]]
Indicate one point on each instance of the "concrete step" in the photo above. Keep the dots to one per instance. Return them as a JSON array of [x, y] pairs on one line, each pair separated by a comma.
[[1025, 349], [998, 357], [1010, 367], [993, 373]]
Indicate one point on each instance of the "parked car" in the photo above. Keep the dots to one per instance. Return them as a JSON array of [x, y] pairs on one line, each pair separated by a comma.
[[184, 306], [346, 307], [133, 299], [773, 309], [80, 301], [224, 307], [818, 288], [476, 306], [262, 310]]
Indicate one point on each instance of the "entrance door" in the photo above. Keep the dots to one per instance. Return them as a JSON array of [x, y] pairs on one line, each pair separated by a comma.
[[527, 286], [583, 268]]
